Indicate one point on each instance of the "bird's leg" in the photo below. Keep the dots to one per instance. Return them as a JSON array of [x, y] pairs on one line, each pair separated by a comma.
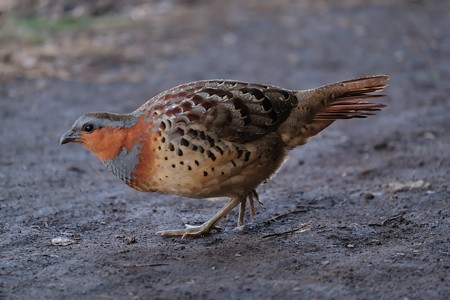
[[251, 196], [255, 194], [242, 213], [205, 228]]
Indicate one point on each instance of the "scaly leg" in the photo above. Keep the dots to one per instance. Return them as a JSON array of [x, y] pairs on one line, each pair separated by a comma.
[[251, 196], [242, 213], [205, 228]]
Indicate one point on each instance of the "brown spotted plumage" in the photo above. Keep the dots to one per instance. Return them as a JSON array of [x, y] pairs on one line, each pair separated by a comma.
[[217, 138]]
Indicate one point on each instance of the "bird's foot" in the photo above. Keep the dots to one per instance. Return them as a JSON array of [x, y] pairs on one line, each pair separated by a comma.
[[205, 228], [191, 231], [239, 228]]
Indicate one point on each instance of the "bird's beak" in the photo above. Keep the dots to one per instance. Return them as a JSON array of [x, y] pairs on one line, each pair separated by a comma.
[[68, 137]]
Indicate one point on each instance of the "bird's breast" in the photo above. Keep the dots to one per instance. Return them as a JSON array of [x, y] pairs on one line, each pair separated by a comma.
[[204, 167]]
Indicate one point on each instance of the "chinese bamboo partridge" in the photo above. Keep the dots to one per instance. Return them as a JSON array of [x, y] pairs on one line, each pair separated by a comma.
[[217, 138]]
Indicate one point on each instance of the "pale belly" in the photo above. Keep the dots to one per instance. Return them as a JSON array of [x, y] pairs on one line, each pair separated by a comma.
[[217, 172]]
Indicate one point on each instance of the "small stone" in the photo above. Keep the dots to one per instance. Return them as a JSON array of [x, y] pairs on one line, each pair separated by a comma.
[[375, 242], [429, 135], [407, 186], [368, 196], [130, 240], [62, 241]]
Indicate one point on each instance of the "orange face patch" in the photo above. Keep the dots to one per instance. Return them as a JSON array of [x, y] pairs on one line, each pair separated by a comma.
[[107, 142], [104, 142]]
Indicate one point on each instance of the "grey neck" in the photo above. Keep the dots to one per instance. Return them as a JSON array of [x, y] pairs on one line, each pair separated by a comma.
[[124, 165]]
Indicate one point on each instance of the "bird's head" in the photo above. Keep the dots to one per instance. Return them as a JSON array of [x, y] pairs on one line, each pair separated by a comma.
[[101, 133]]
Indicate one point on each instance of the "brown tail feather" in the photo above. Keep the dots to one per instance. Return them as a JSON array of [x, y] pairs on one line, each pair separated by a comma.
[[341, 102], [319, 108]]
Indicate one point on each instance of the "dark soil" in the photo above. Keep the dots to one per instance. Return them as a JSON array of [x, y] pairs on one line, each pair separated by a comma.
[[360, 212]]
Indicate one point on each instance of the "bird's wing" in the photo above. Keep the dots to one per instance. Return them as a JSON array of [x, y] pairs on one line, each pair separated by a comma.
[[235, 111]]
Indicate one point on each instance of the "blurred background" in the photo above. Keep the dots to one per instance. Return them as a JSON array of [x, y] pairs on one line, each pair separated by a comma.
[[295, 43]]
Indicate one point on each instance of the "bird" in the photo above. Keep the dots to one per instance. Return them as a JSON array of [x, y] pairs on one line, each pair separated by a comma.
[[218, 138]]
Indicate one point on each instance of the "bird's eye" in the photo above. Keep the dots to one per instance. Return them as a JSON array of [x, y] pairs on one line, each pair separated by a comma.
[[88, 128]]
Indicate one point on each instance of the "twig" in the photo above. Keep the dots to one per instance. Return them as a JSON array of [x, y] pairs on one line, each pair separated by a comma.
[[144, 265], [286, 232], [304, 208]]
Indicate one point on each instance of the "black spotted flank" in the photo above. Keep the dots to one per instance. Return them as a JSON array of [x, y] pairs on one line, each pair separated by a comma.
[[247, 156], [184, 142], [192, 132], [218, 149], [202, 135], [211, 155], [210, 140]]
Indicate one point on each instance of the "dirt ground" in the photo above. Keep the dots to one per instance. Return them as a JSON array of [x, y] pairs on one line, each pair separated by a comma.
[[360, 212]]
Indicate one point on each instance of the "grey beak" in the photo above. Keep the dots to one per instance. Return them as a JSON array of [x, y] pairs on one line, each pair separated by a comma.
[[69, 137]]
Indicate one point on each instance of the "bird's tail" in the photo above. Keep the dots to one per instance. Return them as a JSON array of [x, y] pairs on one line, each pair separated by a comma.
[[318, 108], [344, 100]]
